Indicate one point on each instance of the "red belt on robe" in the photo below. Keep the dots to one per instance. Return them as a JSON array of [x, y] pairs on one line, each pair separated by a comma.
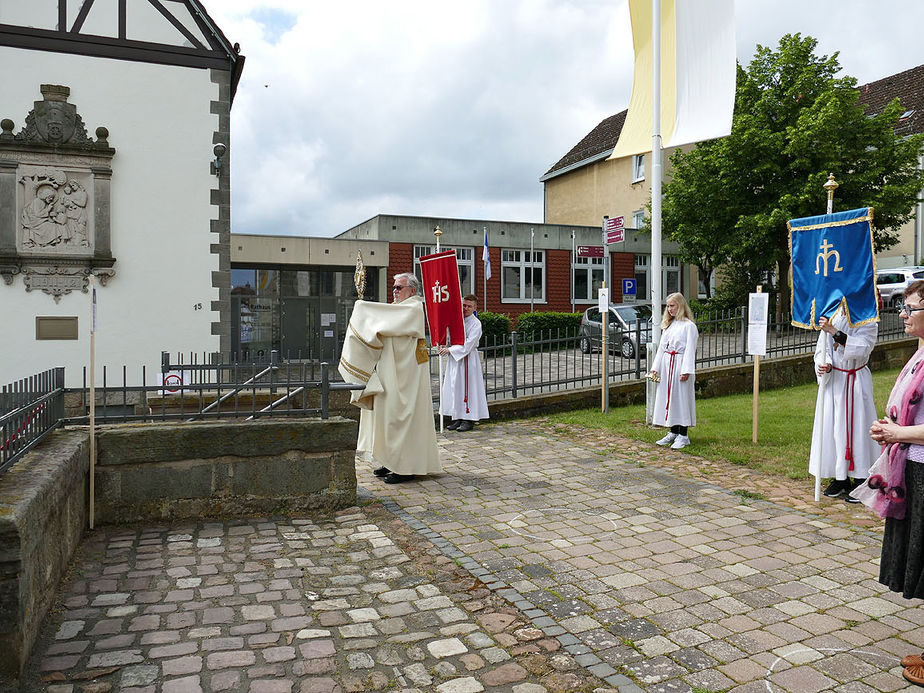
[[670, 381], [465, 366], [850, 397]]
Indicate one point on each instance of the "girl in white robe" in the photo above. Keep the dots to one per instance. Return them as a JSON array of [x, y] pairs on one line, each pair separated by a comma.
[[675, 365]]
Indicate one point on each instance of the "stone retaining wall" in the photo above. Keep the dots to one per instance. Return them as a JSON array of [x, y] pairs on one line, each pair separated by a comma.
[[153, 472], [164, 471], [43, 513]]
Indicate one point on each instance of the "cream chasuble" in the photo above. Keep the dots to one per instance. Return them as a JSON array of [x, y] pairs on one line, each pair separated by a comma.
[[385, 350]]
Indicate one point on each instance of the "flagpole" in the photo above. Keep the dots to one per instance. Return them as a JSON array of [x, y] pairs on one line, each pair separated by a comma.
[[484, 270], [439, 357], [92, 509], [572, 271], [655, 184], [532, 235], [830, 186]]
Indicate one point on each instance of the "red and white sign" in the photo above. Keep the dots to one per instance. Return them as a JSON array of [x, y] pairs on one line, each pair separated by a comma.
[[614, 230], [590, 251], [443, 297]]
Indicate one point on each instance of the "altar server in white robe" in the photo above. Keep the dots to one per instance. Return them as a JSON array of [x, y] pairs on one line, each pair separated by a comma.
[[463, 397], [385, 349], [675, 367], [844, 411]]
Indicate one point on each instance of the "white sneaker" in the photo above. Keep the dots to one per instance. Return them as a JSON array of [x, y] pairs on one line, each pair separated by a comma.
[[668, 439], [681, 442]]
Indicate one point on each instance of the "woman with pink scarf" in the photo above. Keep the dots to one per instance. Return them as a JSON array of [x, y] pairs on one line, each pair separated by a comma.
[[895, 486]]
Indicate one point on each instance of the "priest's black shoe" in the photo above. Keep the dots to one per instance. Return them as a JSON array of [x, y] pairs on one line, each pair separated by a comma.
[[381, 471], [398, 478], [836, 488], [465, 425], [453, 425]]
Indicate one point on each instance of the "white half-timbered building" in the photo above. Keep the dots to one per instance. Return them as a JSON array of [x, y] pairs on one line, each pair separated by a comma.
[[114, 162]]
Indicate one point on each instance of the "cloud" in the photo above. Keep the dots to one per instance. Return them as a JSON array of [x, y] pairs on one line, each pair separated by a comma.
[[350, 109]]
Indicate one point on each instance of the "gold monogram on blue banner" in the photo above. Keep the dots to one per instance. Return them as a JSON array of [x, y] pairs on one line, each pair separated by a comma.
[[833, 265]]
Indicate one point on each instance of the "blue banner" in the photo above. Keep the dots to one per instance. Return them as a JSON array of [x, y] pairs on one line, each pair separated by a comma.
[[832, 264]]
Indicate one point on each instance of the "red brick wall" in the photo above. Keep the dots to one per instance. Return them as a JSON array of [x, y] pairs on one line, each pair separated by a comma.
[[622, 266], [557, 286], [400, 259]]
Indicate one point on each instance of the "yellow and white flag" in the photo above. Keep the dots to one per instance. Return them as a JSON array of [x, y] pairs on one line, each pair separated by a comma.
[[697, 74]]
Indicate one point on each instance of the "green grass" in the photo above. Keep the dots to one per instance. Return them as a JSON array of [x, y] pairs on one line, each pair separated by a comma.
[[723, 426]]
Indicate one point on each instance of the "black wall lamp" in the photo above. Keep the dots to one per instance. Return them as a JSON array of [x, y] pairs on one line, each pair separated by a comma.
[[219, 150]]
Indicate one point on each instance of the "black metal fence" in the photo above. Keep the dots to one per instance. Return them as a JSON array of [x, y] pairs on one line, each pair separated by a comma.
[[556, 361], [197, 387], [29, 410], [210, 387]]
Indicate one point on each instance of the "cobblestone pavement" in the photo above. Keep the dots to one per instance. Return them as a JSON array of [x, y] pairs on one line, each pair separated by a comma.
[[533, 563]]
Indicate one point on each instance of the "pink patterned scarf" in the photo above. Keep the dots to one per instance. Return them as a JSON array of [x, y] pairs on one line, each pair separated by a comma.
[[884, 490]]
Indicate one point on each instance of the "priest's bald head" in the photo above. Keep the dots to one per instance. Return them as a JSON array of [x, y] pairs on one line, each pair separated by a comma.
[[405, 286]]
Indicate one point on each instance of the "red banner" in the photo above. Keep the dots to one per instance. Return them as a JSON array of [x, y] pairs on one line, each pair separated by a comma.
[[443, 297]]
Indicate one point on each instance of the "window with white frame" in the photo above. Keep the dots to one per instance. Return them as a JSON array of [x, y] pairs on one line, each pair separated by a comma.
[[522, 280], [638, 168], [588, 278], [463, 260], [641, 278], [638, 219], [670, 276], [671, 264]]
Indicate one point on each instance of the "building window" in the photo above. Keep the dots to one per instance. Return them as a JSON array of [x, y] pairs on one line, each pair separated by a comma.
[[671, 264], [638, 219], [588, 278], [670, 276], [463, 261], [638, 168], [641, 278], [701, 286], [255, 312], [522, 281]]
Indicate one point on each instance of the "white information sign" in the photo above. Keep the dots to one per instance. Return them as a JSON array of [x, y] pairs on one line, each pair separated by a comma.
[[758, 309], [602, 303]]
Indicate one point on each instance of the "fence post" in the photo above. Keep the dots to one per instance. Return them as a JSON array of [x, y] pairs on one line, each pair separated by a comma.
[[164, 361], [513, 337], [59, 398], [638, 348], [325, 390], [744, 334]]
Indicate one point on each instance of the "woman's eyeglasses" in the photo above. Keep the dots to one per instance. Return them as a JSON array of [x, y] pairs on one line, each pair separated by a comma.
[[905, 308]]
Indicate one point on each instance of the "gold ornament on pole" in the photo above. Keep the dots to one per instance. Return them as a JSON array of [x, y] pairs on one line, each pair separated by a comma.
[[830, 186], [437, 232], [359, 276]]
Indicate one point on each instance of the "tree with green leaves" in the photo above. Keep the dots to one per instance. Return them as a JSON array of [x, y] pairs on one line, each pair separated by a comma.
[[728, 200]]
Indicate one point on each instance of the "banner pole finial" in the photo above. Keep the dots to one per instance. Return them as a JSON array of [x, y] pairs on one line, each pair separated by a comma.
[[830, 186]]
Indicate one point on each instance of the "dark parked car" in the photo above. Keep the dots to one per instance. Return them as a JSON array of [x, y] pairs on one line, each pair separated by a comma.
[[622, 322]]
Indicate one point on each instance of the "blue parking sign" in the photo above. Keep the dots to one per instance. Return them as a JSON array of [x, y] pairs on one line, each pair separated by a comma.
[[628, 287]]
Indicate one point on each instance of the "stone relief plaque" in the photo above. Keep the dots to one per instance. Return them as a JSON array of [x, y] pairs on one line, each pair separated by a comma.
[[57, 179], [55, 214]]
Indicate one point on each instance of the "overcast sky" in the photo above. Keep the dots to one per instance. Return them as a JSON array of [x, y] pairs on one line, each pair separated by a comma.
[[455, 109]]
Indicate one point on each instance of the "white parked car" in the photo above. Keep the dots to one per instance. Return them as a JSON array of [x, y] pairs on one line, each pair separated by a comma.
[[893, 282]]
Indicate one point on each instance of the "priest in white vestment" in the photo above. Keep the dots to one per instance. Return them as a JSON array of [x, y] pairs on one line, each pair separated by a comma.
[[463, 396], [385, 349], [844, 411]]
